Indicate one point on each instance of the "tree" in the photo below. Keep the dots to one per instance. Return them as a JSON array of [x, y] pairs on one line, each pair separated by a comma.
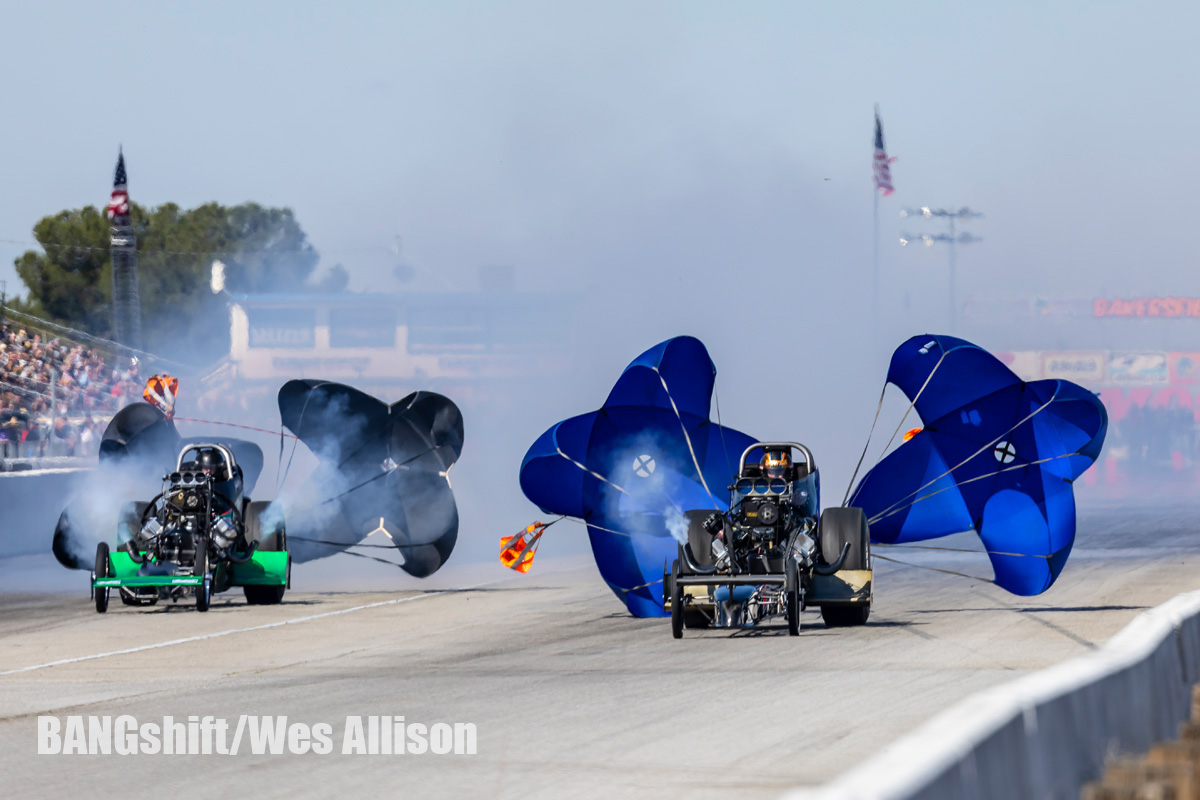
[[264, 250]]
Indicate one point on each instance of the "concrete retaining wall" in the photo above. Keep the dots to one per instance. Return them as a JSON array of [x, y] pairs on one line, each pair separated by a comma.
[[1045, 735], [30, 503]]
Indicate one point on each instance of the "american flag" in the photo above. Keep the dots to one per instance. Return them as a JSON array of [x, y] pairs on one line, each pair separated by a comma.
[[118, 206], [882, 164]]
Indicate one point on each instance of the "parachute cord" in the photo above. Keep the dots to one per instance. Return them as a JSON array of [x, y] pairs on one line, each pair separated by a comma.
[[278, 478], [593, 473], [635, 588], [866, 446], [887, 511], [961, 550], [374, 478], [350, 552], [373, 558], [339, 544], [616, 486], [907, 411], [508, 542], [587, 524], [691, 450], [233, 425], [688, 439], [937, 569], [721, 425], [279, 461]]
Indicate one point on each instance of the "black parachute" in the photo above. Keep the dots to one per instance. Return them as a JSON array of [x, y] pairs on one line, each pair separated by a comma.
[[138, 447], [382, 467], [139, 430]]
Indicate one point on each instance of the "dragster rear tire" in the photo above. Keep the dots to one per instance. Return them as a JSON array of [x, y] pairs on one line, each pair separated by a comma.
[[676, 604], [847, 616], [839, 526], [263, 595], [101, 594], [129, 522], [272, 538]]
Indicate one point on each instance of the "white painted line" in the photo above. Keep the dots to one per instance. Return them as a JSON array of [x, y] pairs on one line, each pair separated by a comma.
[[219, 634]]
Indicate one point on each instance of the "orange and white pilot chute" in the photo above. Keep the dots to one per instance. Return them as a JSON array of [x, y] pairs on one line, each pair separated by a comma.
[[517, 551], [160, 392]]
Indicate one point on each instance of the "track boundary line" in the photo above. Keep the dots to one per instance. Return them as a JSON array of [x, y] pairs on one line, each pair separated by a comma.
[[232, 631]]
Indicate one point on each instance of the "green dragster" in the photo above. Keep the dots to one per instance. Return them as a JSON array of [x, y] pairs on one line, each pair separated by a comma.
[[198, 536]]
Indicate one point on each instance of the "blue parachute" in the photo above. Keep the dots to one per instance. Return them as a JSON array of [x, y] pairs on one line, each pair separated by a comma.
[[633, 469], [997, 455]]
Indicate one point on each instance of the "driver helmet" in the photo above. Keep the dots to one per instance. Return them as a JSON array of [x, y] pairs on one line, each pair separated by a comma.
[[210, 461], [776, 463], [226, 483]]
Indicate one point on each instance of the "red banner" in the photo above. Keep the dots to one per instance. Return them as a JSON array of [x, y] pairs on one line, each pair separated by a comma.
[[1146, 307]]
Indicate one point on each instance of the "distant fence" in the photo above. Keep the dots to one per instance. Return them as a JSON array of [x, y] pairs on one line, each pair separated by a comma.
[[48, 462], [33, 492], [1046, 734]]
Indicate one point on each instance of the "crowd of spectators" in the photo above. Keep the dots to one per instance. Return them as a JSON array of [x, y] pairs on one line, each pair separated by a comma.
[[56, 396]]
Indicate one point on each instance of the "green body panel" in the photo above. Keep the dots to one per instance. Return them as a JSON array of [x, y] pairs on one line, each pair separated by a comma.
[[148, 580], [120, 565], [265, 568]]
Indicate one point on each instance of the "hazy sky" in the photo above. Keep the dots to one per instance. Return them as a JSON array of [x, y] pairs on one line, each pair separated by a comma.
[[687, 167], [691, 167], [574, 139]]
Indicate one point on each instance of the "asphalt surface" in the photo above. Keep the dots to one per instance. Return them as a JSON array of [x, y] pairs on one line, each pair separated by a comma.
[[570, 696]]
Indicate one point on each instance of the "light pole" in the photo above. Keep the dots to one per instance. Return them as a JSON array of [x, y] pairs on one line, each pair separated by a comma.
[[953, 238]]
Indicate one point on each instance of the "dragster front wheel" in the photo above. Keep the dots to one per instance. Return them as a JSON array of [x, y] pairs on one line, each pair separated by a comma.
[[101, 593], [676, 603], [792, 597], [204, 589]]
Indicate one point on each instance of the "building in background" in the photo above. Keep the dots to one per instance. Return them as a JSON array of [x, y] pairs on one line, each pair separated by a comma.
[[391, 344]]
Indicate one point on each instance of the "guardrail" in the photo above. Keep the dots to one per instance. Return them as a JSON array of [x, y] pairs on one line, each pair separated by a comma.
[[1048, 733], [49, 462], [30, 502]]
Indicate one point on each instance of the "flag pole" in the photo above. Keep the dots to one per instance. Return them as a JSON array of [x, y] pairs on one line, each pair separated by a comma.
[[875, 326], [875, 264]]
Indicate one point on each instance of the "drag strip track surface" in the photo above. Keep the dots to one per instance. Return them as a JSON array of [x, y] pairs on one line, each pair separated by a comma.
[[571, 697]]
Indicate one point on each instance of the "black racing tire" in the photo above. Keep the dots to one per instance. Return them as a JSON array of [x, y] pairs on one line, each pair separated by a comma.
[[846, 616], [791, 595], [676, 605], [272, 536], [101, 594], [839, 526], [264, 595], [699, 539], [204, 590]]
